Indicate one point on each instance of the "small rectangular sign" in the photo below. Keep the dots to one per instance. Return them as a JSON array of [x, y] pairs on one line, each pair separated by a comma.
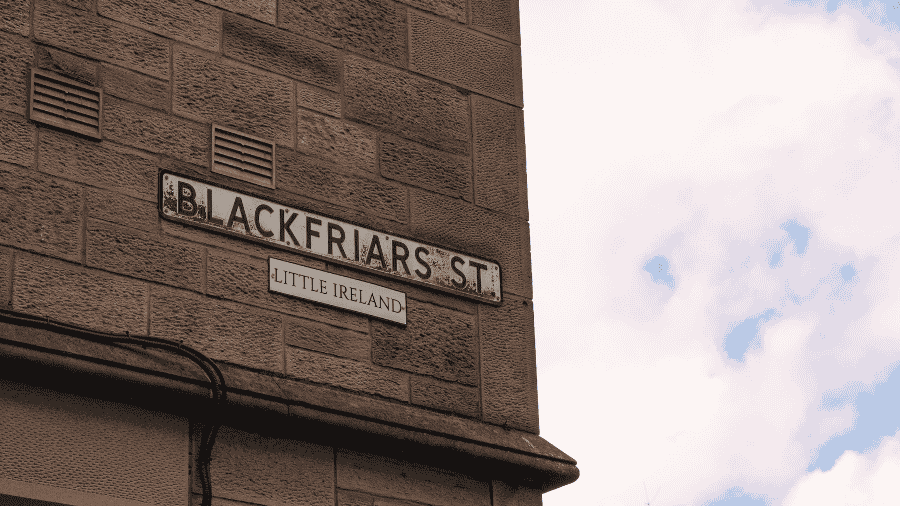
[[206, 205], [338, 291]]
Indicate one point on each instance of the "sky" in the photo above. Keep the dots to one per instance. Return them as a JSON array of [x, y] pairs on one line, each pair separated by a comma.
[[714, 194]]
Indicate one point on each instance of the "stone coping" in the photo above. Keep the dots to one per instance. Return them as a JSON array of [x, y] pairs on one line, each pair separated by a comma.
[[59, 356]]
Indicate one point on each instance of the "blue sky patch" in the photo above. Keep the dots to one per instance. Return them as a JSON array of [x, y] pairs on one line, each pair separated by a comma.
[[746, 334], [658, 267], [735, 496], [878, 415]]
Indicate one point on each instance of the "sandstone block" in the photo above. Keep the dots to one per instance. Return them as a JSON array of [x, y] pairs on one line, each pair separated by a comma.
[[113, 207], [319, 180], [263, 10], [98, 164], [478, 231], [335, 140], [407, 105], [213, 91], [499, 142], [437, 341], [15, 57], [319, 100], [464, 58], [328, 339], [155, 131], [119, 454], [142, 255], [6, 263], [17, 139], [513, 495], [184, 20], [444, 396], [497, 17], [51, 221], [69, 65], [406, 480], [281, 52], [375, 28], [263, 470], [222, 330], [451, 9], [14, 16], [347, 373], [70, 293], [350, 498], [101, 38], [425, 167], [134, 87], [508, 365], [245, 279]]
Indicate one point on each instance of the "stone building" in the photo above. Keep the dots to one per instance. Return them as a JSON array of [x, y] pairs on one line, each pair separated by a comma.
[[266, 252]]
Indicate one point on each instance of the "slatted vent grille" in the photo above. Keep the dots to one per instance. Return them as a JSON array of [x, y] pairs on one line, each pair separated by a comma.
[[243, 156], [65, 104]]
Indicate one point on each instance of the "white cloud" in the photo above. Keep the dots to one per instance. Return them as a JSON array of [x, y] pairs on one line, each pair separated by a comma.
[[855, 480], [694, 130]]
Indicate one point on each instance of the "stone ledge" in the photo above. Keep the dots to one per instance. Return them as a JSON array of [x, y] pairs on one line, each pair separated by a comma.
[[39, 351]]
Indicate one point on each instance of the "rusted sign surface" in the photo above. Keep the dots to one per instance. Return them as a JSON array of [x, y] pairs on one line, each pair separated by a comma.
[[198, 203], [337, 291]]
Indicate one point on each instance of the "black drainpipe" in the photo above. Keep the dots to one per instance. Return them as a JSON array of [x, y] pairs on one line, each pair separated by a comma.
[[209, 421]]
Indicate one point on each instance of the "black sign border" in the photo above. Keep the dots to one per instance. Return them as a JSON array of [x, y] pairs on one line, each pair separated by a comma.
[[375, 272]]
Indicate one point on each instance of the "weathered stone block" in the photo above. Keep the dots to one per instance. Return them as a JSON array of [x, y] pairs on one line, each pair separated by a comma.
[[134, 87], [406, 480], [156, 131], [105, 452], [209, 90], [478, 231], [335, 140], [14, 16], [452, 9], [281, 52], [263, 470], [499, 142], [245, 279], [142, 255], [464, 58], [437, 341], [407, 105], [6, 263], [98, 164], [17, 139], [66, 292], [513, 495], [319, 180], [222, 330], [52, 223], [347, 373], [444, 396], [508, 365], [69, 65], [328, 339], [15, 57], [497, 17], [425, 167], [349, 498], [375, 28], [184, 20], [263, 10], [320, 100], [101, 38], [113, 207]]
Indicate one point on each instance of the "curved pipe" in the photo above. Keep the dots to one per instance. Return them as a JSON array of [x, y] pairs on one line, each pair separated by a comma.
[[209, 423]]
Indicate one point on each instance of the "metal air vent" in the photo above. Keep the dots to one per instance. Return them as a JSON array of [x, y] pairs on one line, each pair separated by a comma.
[[64, 103], [243, 156]]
